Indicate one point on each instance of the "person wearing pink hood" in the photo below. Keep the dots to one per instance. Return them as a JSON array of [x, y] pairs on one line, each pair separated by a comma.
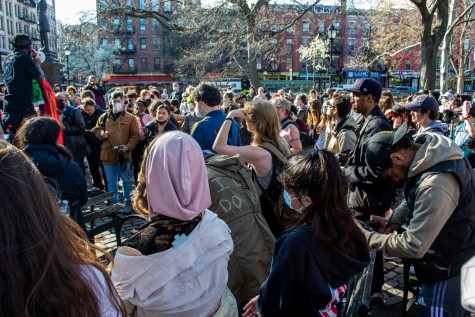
[[177, 264]]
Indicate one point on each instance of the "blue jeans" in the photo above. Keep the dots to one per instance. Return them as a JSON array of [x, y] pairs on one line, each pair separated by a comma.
[[113, 172]]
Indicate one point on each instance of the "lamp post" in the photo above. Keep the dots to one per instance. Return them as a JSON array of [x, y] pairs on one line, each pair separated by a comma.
[[331, 32], [67, 52]]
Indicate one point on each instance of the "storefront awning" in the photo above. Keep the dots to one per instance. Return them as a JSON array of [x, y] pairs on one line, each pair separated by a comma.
[[139, 79]]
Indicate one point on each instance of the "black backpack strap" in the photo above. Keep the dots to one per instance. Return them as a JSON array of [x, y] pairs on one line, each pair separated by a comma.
[[103, 121]]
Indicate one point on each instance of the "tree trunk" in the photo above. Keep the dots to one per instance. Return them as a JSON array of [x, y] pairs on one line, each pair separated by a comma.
[[444, 63], [428, 63], [461, 65]]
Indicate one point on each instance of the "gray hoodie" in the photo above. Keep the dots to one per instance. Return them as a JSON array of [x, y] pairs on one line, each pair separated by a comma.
[[436, 199]]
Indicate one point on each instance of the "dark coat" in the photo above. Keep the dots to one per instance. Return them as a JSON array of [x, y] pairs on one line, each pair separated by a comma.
[[307, 276], [151, 130], [68, 174], [74, 129], [369, 193], [90, 122], [98, 95]]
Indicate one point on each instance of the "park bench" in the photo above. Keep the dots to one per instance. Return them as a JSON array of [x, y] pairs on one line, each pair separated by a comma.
[[99, 209], [108, 215]]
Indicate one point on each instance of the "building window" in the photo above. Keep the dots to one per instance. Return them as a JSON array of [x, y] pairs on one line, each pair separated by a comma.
[[321, 27], [290, 45], [130, 25], [129, 3], [408, 64], [290, 29], [130, 44], [2, 42], [466, 45], [167, 6], [274, 65], [156, 63], [117, 41], [143, 24], [2, 27], [104, 24], [104, 41], [155, 5], [142, 4], [143, 43], [306, 26], [306, 41], [289, 63], [351, 45], [131, 64], [143, 64], [258, 63], [156, 43], [274, 42], [116, 24]]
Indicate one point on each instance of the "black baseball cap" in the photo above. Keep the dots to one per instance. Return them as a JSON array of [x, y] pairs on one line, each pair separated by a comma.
[[424, 102], [379, 145], [367, 86]]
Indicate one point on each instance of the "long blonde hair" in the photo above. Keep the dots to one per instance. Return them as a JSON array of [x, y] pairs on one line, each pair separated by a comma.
[[264, 115]]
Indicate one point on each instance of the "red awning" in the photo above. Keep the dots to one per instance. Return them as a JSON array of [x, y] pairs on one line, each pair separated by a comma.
[[139, 79]]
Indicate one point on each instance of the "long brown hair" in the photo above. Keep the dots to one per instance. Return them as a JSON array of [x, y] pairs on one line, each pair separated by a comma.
[[264, 116], [318, 175], [44, 253], [315, 113]]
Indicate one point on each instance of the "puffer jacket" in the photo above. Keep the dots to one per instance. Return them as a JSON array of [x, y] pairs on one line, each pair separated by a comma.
[[123, 129]]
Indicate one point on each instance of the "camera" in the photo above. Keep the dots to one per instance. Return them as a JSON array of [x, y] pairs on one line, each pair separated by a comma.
[[371, 225], [117, 147], [92, 83]]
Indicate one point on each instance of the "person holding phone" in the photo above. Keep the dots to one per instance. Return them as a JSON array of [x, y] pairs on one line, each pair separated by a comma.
[[466, 128], [119, 132], [98, 89]]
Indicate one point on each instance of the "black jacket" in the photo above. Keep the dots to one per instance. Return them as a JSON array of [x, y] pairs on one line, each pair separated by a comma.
[[306, 275], [74, 129], [368, 193], [151, 130], [68, 174], [90, 122]]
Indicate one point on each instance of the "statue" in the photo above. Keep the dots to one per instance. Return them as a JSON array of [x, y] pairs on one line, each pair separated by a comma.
[[43, 23]]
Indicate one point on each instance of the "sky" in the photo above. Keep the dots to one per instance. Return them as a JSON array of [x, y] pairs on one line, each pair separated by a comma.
[[67, 11]]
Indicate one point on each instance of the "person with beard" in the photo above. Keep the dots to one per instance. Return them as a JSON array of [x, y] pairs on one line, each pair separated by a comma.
[[19, 69], [369, 193], [119, 132], [74, 129], [160, 125]]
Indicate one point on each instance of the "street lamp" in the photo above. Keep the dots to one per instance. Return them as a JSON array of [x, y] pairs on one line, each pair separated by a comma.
[[331, 35], [67, 52]]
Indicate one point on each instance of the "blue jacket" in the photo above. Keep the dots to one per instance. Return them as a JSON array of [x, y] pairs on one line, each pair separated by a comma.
[[205, 131]]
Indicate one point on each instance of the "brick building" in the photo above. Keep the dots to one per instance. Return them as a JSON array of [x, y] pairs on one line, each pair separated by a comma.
[[146, 48]]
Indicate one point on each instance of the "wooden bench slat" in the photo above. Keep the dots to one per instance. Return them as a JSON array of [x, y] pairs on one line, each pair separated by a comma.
[[98, 199], [104, 212]]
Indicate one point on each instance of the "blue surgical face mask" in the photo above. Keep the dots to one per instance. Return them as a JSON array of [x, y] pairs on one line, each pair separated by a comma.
[[288, 201]]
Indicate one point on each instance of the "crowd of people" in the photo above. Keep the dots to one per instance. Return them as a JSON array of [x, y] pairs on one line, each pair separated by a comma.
[[292, 176]]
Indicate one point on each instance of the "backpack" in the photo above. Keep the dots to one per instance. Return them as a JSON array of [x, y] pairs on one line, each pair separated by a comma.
[[274, 194], [304, 137]]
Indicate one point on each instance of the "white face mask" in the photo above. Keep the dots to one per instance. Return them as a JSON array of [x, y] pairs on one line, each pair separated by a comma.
[[198, 112], [118, 107]]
